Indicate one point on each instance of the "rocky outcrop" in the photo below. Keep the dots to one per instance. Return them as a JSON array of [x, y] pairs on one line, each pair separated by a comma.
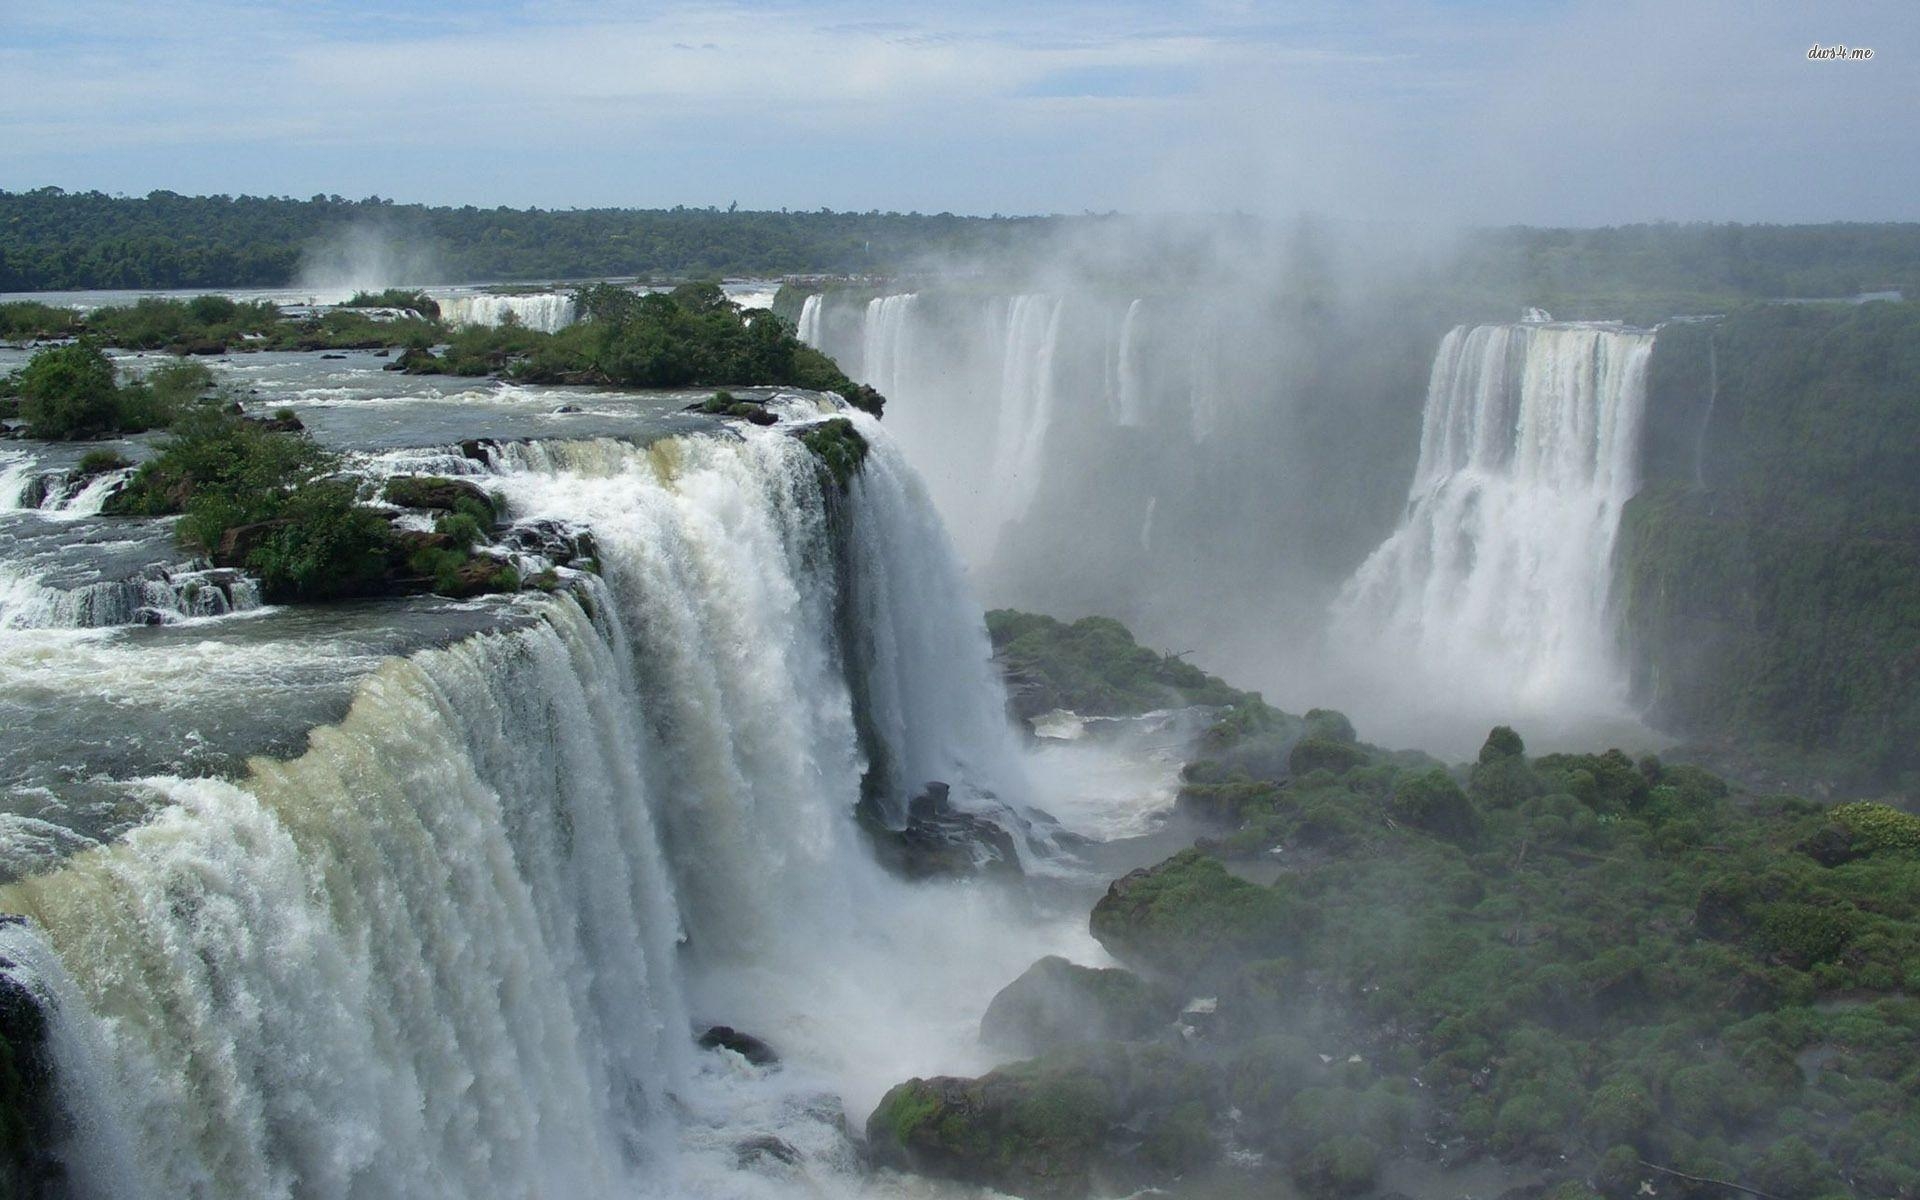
[[1056, 1003], [440, 493], [1110, 1117], [942, 840], [1187, 918], [29, 1115], [747, 1046]]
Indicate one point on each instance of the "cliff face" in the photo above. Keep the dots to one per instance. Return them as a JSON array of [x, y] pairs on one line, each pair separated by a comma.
[[1769, 571]]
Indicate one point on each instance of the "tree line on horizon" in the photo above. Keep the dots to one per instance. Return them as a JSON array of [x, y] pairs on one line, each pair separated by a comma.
[[52, 239]]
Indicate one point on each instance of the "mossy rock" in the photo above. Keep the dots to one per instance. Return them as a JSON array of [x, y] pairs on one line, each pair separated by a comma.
[[838, 446], [1316, 753], [1102, 1116], [1330, 725], [1056, 1002], [1189, 917], [442, 494]]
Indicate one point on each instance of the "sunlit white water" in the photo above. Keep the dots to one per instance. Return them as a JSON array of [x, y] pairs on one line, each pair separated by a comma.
[[458, 946], [547, 312], [808, 328], [1495, 586]]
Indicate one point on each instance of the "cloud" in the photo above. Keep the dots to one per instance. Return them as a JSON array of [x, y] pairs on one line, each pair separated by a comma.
[[1580, 111]]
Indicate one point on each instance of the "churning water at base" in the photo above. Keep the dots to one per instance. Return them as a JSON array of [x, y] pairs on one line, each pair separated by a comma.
[[1493, 592], [457, 946]]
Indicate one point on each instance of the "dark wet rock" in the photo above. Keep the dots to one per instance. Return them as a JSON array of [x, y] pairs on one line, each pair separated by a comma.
[[556, 541], [762, 1148], [1055, 1003], [568, 408], [281, 422], [29, 1113], [36, 492], [438, 492], [415, 361], [763, 416], [477, 449], [338, 356], [199, 346], [747, 1046], [942, 840]]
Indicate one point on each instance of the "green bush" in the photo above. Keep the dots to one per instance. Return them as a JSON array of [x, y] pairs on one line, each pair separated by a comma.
[[69, 392]]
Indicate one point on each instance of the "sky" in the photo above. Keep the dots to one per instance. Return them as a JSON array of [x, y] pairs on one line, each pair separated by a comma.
[[1561, 112]]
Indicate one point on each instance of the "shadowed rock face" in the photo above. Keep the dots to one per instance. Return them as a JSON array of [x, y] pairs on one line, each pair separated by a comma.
[[1056, 1002], [28, 1115]]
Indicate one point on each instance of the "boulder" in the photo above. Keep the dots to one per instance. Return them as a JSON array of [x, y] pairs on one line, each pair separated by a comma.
[[1189, 919], [438, 492], [747, 1046], [764, 1147], [238, 543], [1056, 1003], [942, 840], [556, 541], [1110, 1116]]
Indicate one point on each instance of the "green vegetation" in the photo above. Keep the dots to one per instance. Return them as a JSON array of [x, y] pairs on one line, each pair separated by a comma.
[[1093, 667], [1770, 572], [23, 320], [72, 391], [691, 336], [415, 301], [838, 446], [1573, 963], [272, 502], [51, 239]]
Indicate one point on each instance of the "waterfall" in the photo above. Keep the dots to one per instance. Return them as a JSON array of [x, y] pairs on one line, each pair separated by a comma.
[[1495, 585], [1027, 390], [883, 340], [1129, 388], [1706, 414], [431, 957], [547, 312], [455, 948], [808, 330], [163, 595], [17, 471], [924, 655]]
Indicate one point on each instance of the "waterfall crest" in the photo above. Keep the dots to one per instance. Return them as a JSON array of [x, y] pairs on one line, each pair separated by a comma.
[[1496, 582], [546, 312]]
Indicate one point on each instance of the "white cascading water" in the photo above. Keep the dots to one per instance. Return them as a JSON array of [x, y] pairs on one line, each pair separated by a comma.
[[1027, 392], [884, 341], [1129, 391], [1495, 585], [808, 330], [546, 312], [455, 948]]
